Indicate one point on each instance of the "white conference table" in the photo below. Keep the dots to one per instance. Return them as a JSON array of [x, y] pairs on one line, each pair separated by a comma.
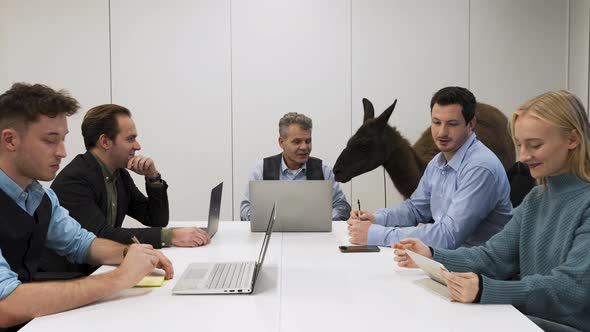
[[306, 284]]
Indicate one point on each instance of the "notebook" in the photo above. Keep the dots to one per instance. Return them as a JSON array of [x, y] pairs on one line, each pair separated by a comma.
[[151, 281]]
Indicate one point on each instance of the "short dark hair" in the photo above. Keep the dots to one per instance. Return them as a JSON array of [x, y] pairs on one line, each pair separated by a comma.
[[456, 95], [100, 120], [24, 103]]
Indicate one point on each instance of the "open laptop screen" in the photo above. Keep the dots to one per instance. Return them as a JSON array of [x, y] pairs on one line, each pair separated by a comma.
[[262, 254], [214, 209]]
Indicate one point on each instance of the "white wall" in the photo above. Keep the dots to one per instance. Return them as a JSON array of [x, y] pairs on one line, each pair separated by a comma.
[[208, 80], [296, 59], [64, 44], [579, 49], [518, 50], [171, 68]]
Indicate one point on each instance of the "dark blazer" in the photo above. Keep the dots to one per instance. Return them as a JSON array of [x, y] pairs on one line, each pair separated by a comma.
[[81, 190]]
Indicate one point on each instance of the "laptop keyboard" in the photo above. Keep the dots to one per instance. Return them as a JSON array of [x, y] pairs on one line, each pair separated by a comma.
[[222, 276], [228, 275]]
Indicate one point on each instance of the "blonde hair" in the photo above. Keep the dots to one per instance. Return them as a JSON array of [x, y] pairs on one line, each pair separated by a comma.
[[563, 110]]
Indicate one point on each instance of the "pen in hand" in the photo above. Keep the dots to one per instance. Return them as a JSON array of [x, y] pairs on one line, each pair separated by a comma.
[[126, 249], [358, 201], [136, 241]]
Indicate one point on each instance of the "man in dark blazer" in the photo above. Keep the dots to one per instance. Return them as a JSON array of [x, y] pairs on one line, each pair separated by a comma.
[[97, 189]]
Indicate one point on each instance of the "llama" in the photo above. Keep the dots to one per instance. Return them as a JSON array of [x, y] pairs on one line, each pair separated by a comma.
[[377, 144]]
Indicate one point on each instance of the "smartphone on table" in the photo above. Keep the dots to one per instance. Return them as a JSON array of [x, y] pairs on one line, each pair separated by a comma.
[[359, 248]]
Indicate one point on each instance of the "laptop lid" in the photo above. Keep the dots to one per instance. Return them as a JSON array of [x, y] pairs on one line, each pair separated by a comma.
[[306, 206], [214, 210], [265, 242]]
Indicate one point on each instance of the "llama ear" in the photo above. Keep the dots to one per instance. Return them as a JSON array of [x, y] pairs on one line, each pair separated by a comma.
[[384, 117], [369, 110]]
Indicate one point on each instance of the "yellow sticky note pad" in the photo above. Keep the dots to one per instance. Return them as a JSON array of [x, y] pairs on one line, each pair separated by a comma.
[[151, 281]]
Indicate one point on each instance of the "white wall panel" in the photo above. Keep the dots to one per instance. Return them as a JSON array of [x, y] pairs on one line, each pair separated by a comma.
[[518, 50], [63, 44], [404, 50], [171, 68], [579, 47], [288, 55]]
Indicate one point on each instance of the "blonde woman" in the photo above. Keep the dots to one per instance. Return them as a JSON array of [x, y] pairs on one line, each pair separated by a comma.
[[540, 261]]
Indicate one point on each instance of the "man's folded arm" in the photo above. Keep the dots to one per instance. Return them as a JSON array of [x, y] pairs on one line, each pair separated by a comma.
[[152, 210]]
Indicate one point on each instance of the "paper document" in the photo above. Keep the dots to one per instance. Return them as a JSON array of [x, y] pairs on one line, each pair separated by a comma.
[[430, 267]]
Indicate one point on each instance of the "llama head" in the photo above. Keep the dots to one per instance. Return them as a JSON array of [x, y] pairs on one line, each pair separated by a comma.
[[369, 147]]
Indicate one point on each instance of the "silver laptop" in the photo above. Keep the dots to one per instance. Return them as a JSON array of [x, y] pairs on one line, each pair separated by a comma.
[[214, 209], [306, 206], [225, 278]]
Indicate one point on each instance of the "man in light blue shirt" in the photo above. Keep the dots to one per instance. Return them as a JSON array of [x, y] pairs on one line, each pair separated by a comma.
[[295, 163], [464, 188], [33, 126]]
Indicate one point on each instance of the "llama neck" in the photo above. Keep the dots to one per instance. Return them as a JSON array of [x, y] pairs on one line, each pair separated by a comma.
[[404, 166]]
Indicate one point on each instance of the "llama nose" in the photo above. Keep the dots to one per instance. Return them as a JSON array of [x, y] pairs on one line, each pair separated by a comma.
[[342, 175]]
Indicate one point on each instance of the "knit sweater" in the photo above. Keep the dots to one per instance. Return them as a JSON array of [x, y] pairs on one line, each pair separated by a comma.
[[540, 261]]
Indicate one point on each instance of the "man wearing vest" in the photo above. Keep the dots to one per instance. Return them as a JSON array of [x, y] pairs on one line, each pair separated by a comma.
[[33, 126], [296, 164], [98, 191]]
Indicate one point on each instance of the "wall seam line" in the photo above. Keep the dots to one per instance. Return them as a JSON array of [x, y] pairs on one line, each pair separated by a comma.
[[110, 57], [231, 112]]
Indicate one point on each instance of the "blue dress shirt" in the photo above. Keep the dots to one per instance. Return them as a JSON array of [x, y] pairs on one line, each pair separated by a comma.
[[64, 235], [468, 198], [340, 207]]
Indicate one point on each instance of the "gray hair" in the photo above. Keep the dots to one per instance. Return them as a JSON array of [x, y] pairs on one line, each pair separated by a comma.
[[293, 118]]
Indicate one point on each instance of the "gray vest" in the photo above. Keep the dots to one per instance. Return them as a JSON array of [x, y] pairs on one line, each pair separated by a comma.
[[272, 168], [22, 238]]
